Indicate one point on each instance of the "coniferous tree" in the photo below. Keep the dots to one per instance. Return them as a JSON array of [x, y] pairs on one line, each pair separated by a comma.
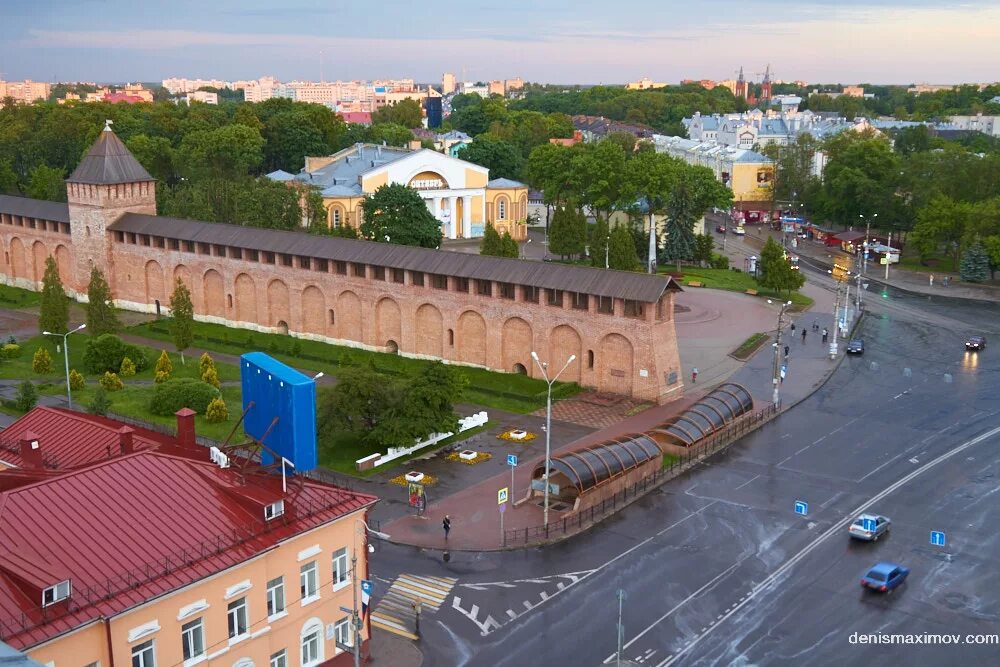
[[102, 317], [975, 264], [508, 246], [599, 239], [182, 322], [491, 243], [53, 313], [621, 250]]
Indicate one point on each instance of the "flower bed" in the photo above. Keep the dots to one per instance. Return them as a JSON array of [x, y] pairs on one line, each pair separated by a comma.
[[400, 480], [517, 435], [480, 457]]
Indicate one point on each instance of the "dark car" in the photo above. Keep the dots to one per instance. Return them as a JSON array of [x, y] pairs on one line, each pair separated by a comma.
[[721, 229], [884, 577], [976, 343], [856, 346]]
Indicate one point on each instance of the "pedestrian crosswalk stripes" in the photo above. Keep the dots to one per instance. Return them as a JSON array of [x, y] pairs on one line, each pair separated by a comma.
[[396, 611]]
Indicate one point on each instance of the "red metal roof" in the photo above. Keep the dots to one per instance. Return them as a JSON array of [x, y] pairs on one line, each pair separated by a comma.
[[360, 117], [70, 439], [133, 527]]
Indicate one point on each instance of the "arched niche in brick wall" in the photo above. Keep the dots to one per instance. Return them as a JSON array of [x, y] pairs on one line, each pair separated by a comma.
[[428, 331], [471, 338]]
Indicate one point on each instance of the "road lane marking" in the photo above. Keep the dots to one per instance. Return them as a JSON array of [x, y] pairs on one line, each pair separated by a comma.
[[833, 530]]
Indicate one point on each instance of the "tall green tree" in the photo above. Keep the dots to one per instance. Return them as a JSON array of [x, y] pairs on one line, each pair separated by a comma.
[[975, 266], [102, 316], [405, 112], [182, 318], [508, 246], [396, 214], [491, 243], [695, 191], [652, 177], [621, 250], [8, 178], [425, 407], [358, 402], [600, 237], [53, 314], [776, 272], [568, 232], [225, 152], [45, 182], [500, 157]]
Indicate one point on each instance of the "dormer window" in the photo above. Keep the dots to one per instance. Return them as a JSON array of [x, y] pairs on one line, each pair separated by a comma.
[[57, 593], [274, 510]]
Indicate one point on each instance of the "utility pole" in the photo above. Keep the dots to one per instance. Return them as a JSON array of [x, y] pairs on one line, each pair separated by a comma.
[[776, 374], [651, 268], [836, 322], [621, 628]]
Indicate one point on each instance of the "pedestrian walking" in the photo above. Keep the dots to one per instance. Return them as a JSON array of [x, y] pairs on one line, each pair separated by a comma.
[[815, 325], [803, 335], [446, 524], [793, 328], [932, 280], [786, 352], [694, 374], [825, 334]]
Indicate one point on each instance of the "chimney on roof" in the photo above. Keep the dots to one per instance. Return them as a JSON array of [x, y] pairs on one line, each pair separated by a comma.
[[185, 428], [31, 451], [125, 442], [415, 144]]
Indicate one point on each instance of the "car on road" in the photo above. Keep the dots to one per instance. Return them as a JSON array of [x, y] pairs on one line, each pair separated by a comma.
[[856, 346], [884, 577], [739, 231], [976, 343], [721, 229], [869, 527]]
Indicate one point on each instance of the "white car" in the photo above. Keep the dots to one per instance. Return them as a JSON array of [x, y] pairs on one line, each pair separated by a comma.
[[869, 527], [740, 230]]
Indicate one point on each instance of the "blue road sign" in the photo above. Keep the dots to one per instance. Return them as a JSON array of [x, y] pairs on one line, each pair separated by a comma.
[[868, 524], [937, 538], [366, 586], [512, 460], [801, 507], [503, 507]]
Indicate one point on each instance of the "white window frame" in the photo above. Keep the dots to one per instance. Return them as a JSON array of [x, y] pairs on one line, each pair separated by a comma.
[[238, 610], [341, 570], [140, 651], [309, 583], [274, 510], [336, 218], [312, 630], [501, 209], [279, 658], [57, 593], [193, 635], [342, 632], [275, 594]]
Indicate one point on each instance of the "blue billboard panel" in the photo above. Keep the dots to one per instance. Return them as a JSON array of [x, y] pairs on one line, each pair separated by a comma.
[[277, 390]]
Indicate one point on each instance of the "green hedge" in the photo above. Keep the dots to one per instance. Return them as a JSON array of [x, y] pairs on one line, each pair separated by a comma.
[[172, 395], [104, 354]]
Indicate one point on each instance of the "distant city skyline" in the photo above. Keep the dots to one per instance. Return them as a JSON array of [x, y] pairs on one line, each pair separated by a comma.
[[586, 41]]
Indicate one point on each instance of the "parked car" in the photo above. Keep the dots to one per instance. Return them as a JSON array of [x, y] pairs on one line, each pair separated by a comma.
[[721, 229], [884, 577], [976, 343], [869, 527], [856, 346]]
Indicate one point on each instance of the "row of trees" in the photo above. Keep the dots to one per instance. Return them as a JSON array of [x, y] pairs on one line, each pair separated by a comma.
[[897, 101], [607, 178]]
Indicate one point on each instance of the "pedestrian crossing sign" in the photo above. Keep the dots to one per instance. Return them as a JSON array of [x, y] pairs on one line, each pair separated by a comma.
[[502, 496]]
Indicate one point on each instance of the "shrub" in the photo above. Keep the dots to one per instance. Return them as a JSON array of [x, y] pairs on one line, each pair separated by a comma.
[[161, 377], [105, 354], [720, 262], [41, 363], [10, 351], [296, 348], [100, 403], [164, 366], [211, 376], [127, 369], [76, 381], [216, 411], [204, 363], [172, 395], [26, 397], [111, 382]]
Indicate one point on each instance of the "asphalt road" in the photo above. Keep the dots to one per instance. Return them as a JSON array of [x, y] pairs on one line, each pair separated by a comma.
[[718, 569]]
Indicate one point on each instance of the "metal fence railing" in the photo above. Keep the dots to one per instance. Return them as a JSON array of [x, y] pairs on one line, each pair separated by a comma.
[[578, 521]]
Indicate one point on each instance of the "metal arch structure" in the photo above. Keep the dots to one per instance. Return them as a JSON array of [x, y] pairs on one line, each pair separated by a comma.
[[593, 465]]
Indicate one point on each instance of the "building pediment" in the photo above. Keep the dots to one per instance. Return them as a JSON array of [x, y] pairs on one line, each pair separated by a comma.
[[429, 170]]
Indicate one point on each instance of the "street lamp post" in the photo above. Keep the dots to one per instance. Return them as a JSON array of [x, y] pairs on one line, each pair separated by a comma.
[[607, 251], [65, 337], [776, 380], [548, 427], [356, 618]]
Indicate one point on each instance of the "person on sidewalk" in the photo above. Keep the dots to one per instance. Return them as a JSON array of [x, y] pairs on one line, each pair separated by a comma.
[[815, 325], [793, 328], [786, 352], [694, 375], [803, 335], [932, 280], [825, 334], [446, 524]]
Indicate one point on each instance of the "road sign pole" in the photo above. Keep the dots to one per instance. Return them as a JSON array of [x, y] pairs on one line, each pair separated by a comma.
[[512, 480], [501, 525]]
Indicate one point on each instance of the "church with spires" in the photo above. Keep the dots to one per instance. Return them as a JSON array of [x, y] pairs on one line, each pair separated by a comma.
[[743, 90]]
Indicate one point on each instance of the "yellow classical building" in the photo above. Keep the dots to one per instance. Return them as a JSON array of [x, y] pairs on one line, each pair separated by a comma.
[[459, 194]]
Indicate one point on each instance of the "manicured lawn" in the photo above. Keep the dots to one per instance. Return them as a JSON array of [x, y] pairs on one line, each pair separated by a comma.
[[738, 281], [340, 451], [936, 263], [15, 297], [503, 391]]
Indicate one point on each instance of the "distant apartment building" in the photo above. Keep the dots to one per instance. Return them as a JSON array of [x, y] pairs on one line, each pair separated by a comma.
[[757, 128], [157, 554], [854, 91], [989, 125], [513, 84], [178, 86], [472, 88], [202, 96], [728, 84], [448, 83], [644, 84], [929, 88], [496, 87], [258, 90], [25, 92]]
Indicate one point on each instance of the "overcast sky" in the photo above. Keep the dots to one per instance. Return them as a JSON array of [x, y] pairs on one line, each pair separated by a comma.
[[583, 41]]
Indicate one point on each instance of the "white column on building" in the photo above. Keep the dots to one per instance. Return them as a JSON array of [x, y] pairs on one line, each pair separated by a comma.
[[453, 215], [437, 208], [467, 216]]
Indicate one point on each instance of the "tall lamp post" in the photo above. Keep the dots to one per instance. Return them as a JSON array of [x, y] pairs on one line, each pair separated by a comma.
[[356, 618], [607, 252], [868, 228], [65, 337], [548, 426], [776, 399]]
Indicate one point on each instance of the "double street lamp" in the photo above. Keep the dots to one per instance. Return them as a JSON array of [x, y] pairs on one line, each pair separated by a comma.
[[542, 366], [65, 337]]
